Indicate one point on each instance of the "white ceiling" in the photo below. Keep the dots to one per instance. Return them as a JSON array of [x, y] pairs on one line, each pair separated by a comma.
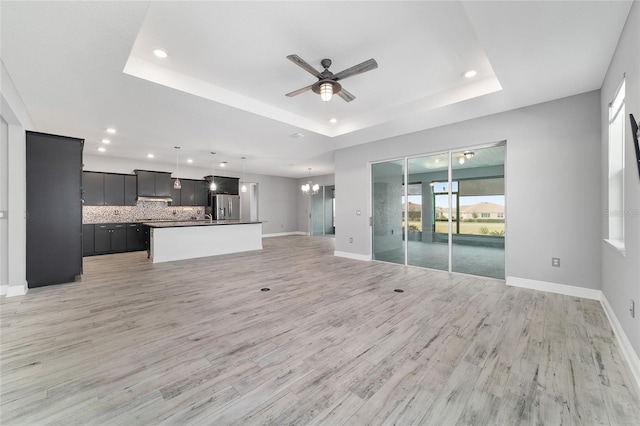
[[81, 67]]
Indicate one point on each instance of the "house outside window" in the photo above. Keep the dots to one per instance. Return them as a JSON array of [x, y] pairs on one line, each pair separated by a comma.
[[615, 211]]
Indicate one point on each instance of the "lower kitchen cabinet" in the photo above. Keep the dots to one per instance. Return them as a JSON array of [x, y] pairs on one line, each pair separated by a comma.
[[135, 237], [108, 238], [88, 240]]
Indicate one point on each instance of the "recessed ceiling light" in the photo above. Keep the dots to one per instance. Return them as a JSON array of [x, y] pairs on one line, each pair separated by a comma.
[[160, 53], [333, 120], [149, 155], [189, 160], [223, 164], [111, 130], [102, 149], [471, 73], [106, 141], [297, 135]]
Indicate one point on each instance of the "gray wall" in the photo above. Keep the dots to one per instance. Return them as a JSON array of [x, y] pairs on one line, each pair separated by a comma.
[[621, 275], [277, 196], [552, 185]]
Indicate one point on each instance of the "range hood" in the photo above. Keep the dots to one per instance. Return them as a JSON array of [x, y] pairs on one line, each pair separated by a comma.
[[154, 198]]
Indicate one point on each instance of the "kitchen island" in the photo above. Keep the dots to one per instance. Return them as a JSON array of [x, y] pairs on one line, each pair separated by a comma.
[[190, 239]]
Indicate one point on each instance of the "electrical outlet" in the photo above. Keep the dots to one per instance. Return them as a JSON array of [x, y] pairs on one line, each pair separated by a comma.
[[351, 239], [632, 308], [555, 261]]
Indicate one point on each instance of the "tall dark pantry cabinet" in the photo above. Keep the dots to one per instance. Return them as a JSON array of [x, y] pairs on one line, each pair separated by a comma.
[[54, 209]]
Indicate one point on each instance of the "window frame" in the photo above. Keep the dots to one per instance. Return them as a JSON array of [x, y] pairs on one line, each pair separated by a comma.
[[615, 237]]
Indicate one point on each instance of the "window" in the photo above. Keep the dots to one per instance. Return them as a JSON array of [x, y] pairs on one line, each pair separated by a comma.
[[500, 215], [485, 215], [615, 212]]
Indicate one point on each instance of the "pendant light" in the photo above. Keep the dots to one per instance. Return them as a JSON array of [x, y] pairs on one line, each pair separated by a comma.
[[213, 186], [243, 188], [176, 183]]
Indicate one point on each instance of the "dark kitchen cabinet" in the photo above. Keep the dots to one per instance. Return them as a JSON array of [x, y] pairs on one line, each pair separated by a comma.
[[135, 237], [226, 185], [130, 190], [113, 189], [176, 194], [110, 238], [53, 209], [186, 193], [88, 238], [200, 192], [108, 189], [154, 184], [93, 188]]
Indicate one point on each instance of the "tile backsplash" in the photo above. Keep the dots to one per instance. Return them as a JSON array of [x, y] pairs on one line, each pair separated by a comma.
[[143, 210]]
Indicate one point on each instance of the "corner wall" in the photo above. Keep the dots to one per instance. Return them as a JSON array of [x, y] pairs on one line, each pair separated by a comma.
[[552, 191], [621, 274]]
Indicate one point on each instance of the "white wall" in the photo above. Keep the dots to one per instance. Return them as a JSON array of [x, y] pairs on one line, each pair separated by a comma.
[[277, 196], [621, 274], [14, 113], [552, 185]]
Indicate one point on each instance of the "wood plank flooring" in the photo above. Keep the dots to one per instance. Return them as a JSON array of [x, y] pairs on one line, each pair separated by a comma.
[[197, 342]]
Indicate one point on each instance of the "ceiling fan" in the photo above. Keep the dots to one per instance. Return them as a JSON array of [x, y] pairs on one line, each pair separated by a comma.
[[327, 84]]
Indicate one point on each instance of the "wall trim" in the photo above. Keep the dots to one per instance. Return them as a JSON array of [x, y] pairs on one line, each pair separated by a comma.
[[283, 234], [629, 354], [623, 341], [567, 290], [353, 256], [16, 290], [3, 289]]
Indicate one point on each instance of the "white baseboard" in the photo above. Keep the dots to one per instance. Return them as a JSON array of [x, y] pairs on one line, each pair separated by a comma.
[[353, 256], [567, 290], [283, 234], [3, 289], [16, 290], [623, 341]]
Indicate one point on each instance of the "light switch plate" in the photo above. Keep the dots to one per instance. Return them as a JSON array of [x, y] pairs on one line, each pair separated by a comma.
[[4, 214]]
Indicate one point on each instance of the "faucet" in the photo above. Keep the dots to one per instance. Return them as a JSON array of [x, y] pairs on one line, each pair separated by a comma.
[[209, 216]]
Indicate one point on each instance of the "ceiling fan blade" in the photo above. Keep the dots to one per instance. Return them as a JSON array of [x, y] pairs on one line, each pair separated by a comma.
[[297, 92], [304, 65], [346, 95], [369, 65]]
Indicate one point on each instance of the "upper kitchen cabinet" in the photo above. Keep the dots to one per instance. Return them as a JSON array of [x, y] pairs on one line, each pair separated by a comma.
[[93, 188], [108, 189], [186, 193], [175, 193], [113, 190], [225, 185], [154, 184], [54, 209], [200, 192], [130, 190]]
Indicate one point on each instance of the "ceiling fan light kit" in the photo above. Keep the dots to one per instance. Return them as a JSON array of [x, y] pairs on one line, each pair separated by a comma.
[[327, 84]]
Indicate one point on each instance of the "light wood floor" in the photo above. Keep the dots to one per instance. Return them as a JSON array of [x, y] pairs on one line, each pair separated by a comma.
[[197, 342]]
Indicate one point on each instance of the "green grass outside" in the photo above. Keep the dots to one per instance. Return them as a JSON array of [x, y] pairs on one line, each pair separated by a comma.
[[469, 228]]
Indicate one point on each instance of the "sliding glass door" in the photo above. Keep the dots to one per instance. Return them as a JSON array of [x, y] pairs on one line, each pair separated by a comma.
[[478, 239], [387, 190], [447, 213], [428, 211]]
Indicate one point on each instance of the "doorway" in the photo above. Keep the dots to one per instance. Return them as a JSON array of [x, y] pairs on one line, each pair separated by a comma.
[[323, 212]]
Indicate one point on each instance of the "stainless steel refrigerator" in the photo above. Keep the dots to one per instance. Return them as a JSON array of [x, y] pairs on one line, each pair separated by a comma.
[[225, 207]]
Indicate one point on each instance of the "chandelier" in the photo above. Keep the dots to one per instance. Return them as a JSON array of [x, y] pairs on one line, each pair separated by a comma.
[[310, 188]]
